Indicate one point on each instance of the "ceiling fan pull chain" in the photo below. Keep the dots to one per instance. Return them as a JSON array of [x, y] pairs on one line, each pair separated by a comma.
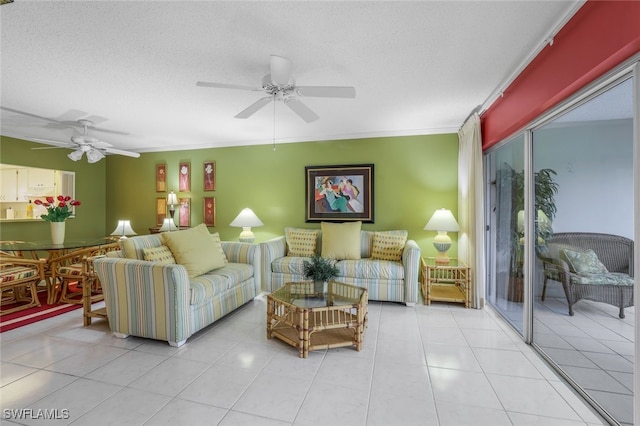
[[274, 122]]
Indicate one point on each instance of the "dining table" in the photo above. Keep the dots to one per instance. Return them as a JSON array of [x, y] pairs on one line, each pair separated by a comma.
[[45, 249]]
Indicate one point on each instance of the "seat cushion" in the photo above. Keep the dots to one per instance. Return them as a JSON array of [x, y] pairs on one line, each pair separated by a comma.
[[14, 273], [371, 269], [611, 278], [289, 265], [206, 286]]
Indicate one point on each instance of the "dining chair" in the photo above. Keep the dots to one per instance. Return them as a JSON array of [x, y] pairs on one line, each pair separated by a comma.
[[70, 275], [20, 273]]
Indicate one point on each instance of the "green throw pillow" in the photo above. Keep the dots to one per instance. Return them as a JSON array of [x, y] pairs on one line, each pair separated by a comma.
[[584, 262]]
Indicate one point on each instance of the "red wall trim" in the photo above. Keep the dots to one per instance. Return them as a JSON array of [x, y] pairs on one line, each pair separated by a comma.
[[600, 36]]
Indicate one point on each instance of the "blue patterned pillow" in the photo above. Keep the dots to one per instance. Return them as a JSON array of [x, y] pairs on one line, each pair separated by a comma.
[[585, 262]]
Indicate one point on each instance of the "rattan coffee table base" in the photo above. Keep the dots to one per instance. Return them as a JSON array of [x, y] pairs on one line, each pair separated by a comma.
[[317, 328]]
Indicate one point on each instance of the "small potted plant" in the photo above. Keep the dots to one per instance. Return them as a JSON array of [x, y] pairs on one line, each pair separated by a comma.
[[320, 270]]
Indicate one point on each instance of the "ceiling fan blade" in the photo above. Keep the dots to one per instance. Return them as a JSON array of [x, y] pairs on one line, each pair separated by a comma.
[[254, 107], [54, 147], [101, 144], [121, 152], [327, 91], [228, 86], [301, 109], [28, 114], [56, 143], [280, 70]]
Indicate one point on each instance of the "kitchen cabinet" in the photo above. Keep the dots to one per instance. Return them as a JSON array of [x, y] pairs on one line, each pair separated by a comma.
[[13, 185]]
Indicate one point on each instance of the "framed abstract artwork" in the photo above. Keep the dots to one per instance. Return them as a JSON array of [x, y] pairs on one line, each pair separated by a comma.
[[209, 172], [209, 213], [161, 210], [339, 193], [184, 212], [184, 174], [161, 177]]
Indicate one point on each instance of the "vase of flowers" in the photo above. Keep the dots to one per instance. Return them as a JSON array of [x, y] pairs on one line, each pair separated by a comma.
[[320, 270], [58, 210]]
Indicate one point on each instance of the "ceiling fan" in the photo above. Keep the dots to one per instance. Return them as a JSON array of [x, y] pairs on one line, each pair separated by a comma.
[[281, 86], [93, 147]]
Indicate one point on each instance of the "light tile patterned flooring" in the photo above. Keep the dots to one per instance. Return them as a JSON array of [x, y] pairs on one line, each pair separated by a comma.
[[428, 365]]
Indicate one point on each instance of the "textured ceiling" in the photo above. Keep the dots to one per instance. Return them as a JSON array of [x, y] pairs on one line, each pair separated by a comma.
[[418, 67]]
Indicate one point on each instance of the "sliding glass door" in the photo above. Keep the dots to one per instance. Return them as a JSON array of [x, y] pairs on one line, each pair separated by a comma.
[[560, 216], [585, 240]]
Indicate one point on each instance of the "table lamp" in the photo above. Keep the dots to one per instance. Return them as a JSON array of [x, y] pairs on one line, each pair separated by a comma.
[[123, 229], [246, 219], [443, 222], [172, 200], [168, 225]]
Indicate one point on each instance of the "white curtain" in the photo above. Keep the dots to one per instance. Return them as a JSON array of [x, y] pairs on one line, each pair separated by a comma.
[[471, 206]]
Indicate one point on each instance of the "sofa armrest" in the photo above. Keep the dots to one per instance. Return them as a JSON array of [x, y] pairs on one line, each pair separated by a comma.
[[238, 252], [146, 299], [269, 251], [411, 262]]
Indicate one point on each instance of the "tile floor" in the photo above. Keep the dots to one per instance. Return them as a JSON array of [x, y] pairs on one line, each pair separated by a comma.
[[429, 365], [594, 347]]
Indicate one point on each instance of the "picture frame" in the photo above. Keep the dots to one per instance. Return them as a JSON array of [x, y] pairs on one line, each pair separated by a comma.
[[161, 210], [209, 173], [209, 211], [340, 193], [184, 176], [184, 212], [161, 177]]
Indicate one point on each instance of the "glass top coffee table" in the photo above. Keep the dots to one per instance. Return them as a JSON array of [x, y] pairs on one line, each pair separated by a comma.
[[310, 320]]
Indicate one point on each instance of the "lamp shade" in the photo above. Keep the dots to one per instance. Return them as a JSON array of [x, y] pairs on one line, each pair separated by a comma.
[[442, 220], [123, 229], [246, 218], [75, 155], [172, 199], [94, 155], [168, 225]]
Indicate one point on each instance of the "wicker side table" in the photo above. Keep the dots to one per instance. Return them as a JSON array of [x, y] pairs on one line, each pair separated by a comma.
[[309, 321], [446, 283]]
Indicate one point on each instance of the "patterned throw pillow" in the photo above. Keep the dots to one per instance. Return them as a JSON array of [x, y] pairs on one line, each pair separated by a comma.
[[302, 242], [585, 262], [388, 245], [160, 254]]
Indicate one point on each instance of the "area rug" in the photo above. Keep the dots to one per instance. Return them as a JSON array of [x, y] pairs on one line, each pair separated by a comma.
[[17, 319]]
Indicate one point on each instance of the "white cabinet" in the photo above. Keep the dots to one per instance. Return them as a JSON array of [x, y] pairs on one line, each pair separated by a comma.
[[8, 185], [42, 181]]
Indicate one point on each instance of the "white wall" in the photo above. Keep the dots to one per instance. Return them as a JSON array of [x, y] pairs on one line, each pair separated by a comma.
[[594, 163]]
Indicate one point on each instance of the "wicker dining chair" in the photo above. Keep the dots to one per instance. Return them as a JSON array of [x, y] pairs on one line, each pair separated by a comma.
[[16, 274], [70, 276]]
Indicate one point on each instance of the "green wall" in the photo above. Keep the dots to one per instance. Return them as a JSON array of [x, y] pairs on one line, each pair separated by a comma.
[[414, 176], [91, 179]]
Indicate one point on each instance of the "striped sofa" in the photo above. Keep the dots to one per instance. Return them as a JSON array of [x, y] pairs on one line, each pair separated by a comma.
[[156, 301], [385, 280]]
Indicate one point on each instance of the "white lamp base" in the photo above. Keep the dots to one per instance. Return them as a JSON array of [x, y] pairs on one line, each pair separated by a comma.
[[246, 236], [442, 243]]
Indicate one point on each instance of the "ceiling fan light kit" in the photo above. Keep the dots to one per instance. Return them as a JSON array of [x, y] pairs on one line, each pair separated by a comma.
[[92, 146], [280, 85]]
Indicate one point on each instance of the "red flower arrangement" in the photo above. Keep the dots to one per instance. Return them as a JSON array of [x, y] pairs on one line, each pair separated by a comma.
[[59, 212]]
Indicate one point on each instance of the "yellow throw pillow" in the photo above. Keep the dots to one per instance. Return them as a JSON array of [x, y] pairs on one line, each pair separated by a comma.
[[301, 242], [195, 249], [341, 240], [161, 255], [388, 245]]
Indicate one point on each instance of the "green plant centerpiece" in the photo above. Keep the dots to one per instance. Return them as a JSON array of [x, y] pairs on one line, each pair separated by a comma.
[[320, 270]]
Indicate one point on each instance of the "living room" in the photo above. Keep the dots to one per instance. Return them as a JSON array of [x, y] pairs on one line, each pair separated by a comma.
[[272, 183]]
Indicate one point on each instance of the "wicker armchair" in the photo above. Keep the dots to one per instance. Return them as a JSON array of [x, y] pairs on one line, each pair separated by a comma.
[[615, 252]]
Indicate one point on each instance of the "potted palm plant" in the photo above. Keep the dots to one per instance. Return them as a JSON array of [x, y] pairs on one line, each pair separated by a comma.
[[320, 270]]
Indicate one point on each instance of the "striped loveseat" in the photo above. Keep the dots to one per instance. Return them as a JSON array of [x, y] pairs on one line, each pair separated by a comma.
[[385, 280], [159, 301]]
